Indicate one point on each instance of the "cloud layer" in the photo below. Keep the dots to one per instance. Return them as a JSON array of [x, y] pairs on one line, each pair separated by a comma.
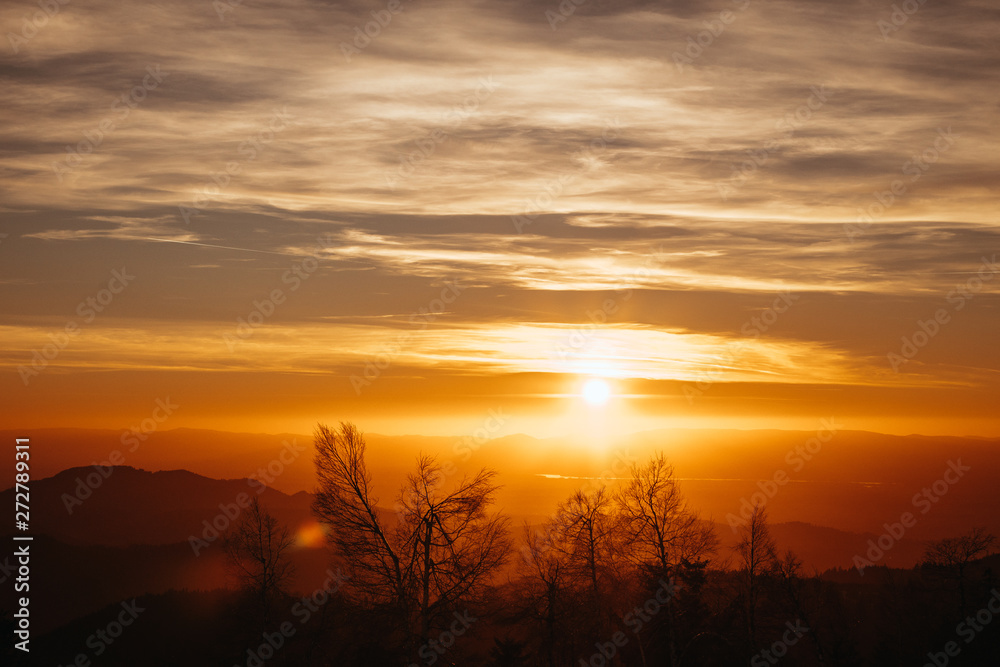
[[700, 159]]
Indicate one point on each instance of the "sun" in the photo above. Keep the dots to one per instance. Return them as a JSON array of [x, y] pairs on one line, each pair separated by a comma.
[[596, 392]]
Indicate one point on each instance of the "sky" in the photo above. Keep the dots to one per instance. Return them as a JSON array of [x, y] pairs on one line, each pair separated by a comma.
[[417, 215]]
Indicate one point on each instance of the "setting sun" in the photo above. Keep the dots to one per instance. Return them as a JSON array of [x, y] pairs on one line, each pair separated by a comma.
[[596, 392]]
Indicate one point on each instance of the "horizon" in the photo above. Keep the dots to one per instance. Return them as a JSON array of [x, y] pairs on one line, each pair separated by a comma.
[[444, 433], [506, 435], [718, 469]]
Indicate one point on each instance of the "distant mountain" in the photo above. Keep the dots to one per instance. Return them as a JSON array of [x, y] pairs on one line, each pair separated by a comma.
[[130, 506], [820, 548], [136, 507], [853, 481], [128, 533], [216, 454], [132, 536]]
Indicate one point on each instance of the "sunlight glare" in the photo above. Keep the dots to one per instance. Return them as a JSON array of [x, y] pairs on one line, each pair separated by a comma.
[[596, 392]]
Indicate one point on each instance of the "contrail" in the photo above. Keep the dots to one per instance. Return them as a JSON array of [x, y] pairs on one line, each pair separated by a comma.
[[225, 247]]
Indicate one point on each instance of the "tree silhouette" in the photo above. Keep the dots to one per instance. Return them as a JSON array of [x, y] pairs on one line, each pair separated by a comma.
[[660, 531], [757, 556], [788, 571], [443, 549], [588, 530], [256, 548], [453, 545], [954, 554], [546, 584], [583, 543], [507, 653]]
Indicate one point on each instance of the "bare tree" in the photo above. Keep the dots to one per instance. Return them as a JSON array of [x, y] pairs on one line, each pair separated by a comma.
[[587, 530], [546, 576], [452, 544], [257, 550], [586, 536], [788, 569], [661, 532], [757, 553], [346, 503], [955, 554], [444, 546]]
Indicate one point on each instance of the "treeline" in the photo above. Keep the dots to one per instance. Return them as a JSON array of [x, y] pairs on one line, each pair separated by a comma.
[[620, 575]]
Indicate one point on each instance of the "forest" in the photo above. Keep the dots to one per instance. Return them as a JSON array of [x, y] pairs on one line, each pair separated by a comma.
[[623, 573]]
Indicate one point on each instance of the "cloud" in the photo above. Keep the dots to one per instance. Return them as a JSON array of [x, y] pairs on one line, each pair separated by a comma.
[[705, 183], [617, 351]]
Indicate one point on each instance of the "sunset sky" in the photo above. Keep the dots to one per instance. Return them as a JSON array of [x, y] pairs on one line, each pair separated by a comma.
[[482, 207]]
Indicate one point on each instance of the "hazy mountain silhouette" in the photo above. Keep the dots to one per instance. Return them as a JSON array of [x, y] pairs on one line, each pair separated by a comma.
[[130, 538], [133, 506], [856, 482]]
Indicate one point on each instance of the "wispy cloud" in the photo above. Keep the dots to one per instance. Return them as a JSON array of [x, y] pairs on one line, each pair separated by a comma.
[[641, 211]]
